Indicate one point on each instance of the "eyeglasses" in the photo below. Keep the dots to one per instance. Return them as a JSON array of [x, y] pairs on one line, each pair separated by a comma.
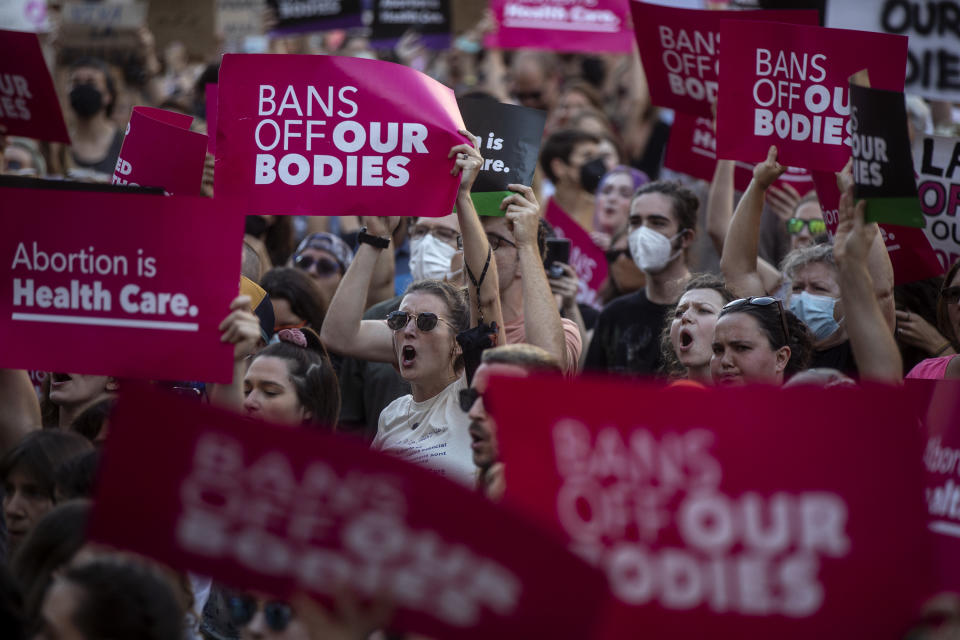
[[443, 234], [276, 614], [426, 321], [614, 254], [468, 397], [496, 241], [764, 301], [796, 225], [950, 295], [324, 266]]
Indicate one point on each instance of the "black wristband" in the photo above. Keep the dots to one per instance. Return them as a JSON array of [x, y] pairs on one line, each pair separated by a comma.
[[373, 241]]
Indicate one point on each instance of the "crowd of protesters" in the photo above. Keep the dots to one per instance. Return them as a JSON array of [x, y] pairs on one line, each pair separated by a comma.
[[389, 329]]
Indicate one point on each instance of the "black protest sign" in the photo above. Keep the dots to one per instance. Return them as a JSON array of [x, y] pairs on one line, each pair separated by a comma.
[[882, 164], [510, 144], [429, 18], [316, 15]]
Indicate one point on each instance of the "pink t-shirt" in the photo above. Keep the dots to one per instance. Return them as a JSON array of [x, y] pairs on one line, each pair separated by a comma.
[[571, 336], [931, 368]]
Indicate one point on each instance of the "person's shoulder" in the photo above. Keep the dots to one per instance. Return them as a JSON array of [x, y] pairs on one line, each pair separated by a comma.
[[395, 414], [624, 303]]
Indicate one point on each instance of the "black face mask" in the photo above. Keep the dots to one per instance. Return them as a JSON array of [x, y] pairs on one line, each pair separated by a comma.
[[255, 226], [591, 173], [86, 100]]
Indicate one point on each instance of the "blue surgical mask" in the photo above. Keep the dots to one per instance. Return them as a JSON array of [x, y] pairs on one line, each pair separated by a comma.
[[816, 312]]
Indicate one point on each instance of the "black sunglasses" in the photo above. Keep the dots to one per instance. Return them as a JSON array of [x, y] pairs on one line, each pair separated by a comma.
[[468, 397], [528, 95], [764, 301], [324, 266], [950, 295], [614, 254], [426, 321], [276, 614]]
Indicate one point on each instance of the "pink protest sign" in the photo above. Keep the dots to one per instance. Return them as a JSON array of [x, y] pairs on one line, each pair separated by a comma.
[[331, 135], [910, 252], [939, 413], [721, 514], [586, 257], [692, 149], [159, 150], [787, 85], [283, 510], [135, 290], [680, 50], [562, 25], [28, 102], [211, 114]]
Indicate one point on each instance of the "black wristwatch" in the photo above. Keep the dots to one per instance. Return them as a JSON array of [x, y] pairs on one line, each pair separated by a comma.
[[373, 241]]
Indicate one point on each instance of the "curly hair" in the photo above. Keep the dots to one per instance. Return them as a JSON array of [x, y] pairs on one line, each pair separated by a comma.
[[685, 202], [671, 367]]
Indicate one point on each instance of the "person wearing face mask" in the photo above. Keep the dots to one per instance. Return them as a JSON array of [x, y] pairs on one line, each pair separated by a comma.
[[663, 218], [96, 139]]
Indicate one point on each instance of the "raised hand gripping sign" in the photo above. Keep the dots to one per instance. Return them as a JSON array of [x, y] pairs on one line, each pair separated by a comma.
[[755, 513], [122, 285], [284, 510], [159, 150], [680, 50], [330, 135], [786, 85], [28, 102]]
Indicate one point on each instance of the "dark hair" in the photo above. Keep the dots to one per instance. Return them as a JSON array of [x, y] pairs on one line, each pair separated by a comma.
[[39, 455], [279, 239], [456, 301], [560, 145], [90, 421], [52, 543], [124, 601], [75, 477], [800, 339], [300, 290], [943, 316], [685, 202], [671, 367], [312, 376], [11, 607], [88, 62]]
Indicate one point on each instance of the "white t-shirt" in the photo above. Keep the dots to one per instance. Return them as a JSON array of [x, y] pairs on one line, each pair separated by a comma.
[[433, 434]]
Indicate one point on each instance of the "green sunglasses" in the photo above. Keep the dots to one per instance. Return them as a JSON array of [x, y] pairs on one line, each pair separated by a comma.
[[796, 225]]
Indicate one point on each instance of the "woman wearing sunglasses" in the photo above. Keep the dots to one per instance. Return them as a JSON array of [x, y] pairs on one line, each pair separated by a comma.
[[757, 341], [426, 427], [948, 321]]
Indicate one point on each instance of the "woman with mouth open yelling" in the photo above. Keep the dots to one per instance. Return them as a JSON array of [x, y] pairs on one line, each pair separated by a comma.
[[426, 427]]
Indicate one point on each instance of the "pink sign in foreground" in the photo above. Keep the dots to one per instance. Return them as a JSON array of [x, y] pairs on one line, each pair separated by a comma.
[[159, 150], [680, 50], [721, 514], [562, 25], [28, 102], [787, 85], [116, 284], [282, 510], [330, 135]]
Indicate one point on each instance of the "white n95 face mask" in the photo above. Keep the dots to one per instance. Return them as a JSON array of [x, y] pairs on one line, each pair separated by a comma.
[[430, 258], [651, 250]]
